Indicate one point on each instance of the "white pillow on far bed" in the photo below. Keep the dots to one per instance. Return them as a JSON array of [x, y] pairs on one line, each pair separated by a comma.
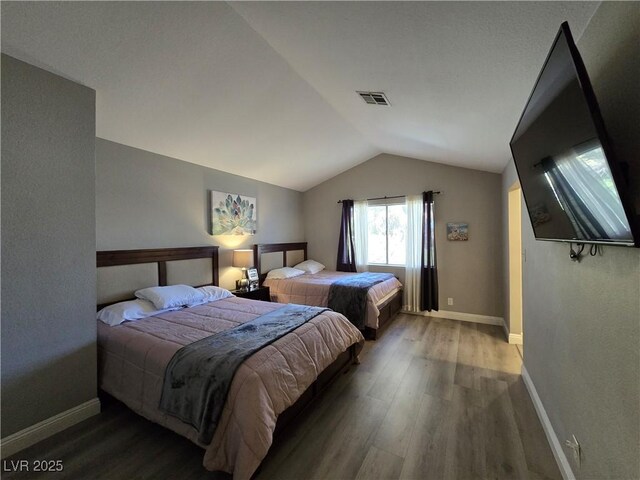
[[131, 310], [171, 296], [284, 272], [310, 266]]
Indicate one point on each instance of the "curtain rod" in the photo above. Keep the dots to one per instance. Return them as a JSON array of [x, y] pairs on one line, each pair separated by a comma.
[[388, 198]]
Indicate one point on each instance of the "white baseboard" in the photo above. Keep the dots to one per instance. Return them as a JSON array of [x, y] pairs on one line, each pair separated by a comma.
[[552, 438], [514, 338], [45, 429], [465, 317]]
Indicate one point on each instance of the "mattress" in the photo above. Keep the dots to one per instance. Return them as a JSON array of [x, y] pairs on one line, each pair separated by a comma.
[[133, 357], [313, 289]]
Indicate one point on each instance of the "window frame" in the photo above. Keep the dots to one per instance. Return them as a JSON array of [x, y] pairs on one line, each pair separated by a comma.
[[386, 234]]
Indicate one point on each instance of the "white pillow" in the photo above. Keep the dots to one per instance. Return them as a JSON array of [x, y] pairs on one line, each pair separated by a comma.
[[132, 310], [285, 272], [310, 266], [212, 293], [171, 296]]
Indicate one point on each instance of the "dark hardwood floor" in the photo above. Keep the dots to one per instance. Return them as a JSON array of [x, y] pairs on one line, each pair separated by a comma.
[[431, 399]]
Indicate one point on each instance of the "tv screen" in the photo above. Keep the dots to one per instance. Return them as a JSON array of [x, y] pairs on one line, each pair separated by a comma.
[[573, 188]]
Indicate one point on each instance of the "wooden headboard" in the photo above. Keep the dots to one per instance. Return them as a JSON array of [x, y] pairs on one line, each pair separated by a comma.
[[159, 256], [260, 249]]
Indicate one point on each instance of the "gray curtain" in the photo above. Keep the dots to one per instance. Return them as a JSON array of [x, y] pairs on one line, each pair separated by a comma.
[[346, 261], [429, 272]]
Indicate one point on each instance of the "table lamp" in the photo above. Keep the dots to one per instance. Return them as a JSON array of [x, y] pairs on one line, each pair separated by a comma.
[[243, 259]]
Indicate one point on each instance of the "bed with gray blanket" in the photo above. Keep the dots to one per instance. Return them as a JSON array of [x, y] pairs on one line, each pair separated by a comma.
[[383, 302], [382, 296], [348, 295], [134, 357], [199, 375], [271, 380]]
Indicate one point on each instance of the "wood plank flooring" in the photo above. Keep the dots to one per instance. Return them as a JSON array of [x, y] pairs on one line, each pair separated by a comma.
[[431, 399]]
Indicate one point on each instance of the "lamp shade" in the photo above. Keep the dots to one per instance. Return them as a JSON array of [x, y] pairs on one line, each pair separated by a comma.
[[243, 258]]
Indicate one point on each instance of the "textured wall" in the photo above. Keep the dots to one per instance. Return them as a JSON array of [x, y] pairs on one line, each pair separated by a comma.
[[582, 321], [48, 245], [469, 272], [145, 200]]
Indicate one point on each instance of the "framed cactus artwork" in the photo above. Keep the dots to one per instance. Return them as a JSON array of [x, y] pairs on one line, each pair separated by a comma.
[[232, 214]]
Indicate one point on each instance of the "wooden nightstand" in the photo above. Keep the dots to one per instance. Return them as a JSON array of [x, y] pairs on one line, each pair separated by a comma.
[[260, 293]]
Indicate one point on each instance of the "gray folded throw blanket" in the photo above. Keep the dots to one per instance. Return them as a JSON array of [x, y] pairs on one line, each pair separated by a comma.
[[198, 377], [349, 295]]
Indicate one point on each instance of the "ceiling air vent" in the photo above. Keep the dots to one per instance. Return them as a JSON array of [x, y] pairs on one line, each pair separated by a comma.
[[374, 98]]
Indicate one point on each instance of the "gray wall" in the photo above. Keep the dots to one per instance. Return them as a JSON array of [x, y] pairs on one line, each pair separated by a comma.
[[469, 272], [582, 321], [48, 245], [146, 200]]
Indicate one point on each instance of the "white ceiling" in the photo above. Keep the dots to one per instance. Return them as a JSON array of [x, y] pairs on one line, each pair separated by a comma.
[[267, 89]]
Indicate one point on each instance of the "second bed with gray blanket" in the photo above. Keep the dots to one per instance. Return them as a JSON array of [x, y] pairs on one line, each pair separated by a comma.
[[313, 289], [349, 295]]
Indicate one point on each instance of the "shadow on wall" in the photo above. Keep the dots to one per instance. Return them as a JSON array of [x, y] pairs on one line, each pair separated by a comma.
[[53, 384]]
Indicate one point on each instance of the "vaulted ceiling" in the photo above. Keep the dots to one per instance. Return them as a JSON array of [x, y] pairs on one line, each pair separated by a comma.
[[267, 89]]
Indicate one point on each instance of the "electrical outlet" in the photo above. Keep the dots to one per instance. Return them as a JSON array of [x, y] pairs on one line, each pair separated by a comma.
[[449, 301], [574, 445]]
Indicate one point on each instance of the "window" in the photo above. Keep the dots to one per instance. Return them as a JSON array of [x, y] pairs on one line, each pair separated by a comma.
[[387, 228]]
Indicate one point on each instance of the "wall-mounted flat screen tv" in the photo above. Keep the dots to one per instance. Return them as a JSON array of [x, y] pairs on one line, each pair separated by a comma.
[[574, 188]]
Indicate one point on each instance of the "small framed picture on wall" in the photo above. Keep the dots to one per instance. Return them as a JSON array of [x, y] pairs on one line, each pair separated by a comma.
[[457, 231]]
